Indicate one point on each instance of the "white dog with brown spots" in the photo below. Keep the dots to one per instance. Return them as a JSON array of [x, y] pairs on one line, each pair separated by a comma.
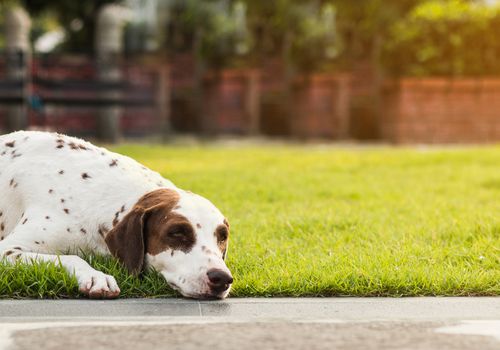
[[60, 194]]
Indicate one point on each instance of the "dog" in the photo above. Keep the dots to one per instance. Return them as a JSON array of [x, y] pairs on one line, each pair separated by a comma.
[[62, 195]]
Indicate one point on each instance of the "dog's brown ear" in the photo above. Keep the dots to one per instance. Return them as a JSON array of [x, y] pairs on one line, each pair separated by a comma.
[[126, 240]]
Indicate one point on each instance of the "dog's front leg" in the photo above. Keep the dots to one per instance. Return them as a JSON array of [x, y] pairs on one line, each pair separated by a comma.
[[91, 282]]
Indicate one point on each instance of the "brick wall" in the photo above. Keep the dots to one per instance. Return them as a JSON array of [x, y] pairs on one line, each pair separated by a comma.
[[274, 98], [321, 106], [365, 101], [230, 101], [441, 110]]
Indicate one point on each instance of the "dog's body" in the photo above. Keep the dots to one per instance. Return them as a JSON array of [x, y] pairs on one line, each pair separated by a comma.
[[66, 190], [59, 194]]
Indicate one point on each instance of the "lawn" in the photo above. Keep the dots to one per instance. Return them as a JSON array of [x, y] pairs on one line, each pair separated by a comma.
[[326, 221]]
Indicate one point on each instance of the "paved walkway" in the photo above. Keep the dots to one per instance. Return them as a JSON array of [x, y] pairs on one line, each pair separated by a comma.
[[305, 323]]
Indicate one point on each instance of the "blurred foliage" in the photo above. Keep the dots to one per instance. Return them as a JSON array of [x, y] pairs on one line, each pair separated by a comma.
[[307, 36], [43, 23], [2, 29], [301, 32], [403, 37], [227, 33], [314, 43], [78, 18], [364, 25], [4, 5], [202, 27], [225, 38], [448, 38]]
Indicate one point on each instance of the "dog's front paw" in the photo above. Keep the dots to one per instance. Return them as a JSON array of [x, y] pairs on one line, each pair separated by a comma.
[[98, 285]]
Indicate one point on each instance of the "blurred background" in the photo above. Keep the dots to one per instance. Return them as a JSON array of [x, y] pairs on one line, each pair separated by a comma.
[[402, 71]]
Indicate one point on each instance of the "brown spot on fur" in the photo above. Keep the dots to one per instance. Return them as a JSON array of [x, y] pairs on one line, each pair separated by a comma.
[[114, 162], [47, 217], [51, 191], [10, 144], [60, 146], [2, 226], [15, 254], [68, 230], [61, 172], [85, 176], [82, 230], [36, 242], [11, 182], [1, 213], [77, 147], [122, 209], [63, 200], [24, 221], [198, 225], [115, 221], [66, 210]]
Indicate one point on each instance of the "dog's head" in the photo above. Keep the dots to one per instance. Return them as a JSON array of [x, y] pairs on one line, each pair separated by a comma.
[[181, 235]]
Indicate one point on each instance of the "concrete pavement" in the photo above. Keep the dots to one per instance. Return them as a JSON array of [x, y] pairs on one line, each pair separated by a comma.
[[305, 323]]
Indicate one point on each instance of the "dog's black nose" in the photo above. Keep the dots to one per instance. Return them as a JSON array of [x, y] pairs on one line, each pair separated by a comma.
[[219, 280]]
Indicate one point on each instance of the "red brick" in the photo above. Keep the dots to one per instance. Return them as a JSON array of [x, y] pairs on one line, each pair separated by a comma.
[[443, 110]]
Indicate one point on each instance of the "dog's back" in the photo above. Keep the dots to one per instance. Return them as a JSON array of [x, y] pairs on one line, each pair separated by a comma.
[[69, 183]]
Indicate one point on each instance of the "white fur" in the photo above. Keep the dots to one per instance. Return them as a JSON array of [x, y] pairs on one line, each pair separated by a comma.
[[53, 201]]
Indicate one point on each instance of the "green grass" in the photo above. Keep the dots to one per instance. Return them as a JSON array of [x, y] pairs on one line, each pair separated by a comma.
[[320, 221]]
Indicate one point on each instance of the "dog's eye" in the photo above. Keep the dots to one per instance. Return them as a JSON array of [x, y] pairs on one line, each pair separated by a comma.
[[178, 231], [222, 233]]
